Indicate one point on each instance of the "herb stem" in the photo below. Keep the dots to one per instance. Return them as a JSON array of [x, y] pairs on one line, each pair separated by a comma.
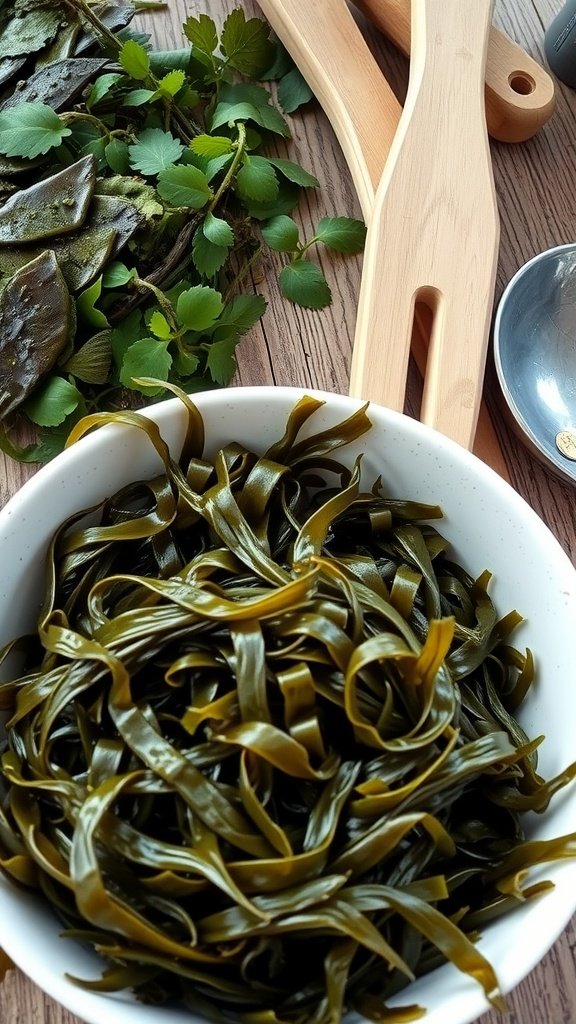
[[185, 128], [227, 179], [79, 115], [242, 273], [165, 274], [165, 305], [82, 7], [304, 247]]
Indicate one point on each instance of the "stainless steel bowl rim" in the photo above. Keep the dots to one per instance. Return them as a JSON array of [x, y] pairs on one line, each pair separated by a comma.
[[559, 465]]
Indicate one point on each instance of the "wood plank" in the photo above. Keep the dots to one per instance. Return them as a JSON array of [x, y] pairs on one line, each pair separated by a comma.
[[537, 200]]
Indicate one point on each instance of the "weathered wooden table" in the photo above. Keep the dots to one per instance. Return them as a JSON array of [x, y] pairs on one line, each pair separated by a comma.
[[535, 184]]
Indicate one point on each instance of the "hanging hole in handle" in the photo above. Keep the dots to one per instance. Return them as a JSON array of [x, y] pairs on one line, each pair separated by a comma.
[[522, 83]]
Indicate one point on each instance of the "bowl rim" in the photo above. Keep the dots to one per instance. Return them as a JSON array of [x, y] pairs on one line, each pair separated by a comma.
[[562, 468], [94, 1008]]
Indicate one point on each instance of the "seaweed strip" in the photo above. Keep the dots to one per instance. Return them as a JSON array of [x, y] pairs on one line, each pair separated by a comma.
[[264, 757]]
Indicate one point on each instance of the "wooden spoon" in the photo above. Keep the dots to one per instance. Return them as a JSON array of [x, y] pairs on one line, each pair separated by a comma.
[[328, 47], [434, 229], [520, 94]]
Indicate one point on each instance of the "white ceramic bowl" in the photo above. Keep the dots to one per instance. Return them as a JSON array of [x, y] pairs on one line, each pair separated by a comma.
[[489, 525]]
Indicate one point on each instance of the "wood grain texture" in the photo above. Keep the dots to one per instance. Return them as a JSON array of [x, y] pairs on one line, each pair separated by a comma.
[[332, 53], [537, 202], [519, 90], [435, 198]]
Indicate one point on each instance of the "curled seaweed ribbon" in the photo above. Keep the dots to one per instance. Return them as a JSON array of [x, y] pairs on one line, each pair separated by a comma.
[[263, 754]]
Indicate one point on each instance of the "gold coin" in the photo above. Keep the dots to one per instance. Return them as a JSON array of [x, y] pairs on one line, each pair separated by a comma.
[[566, 443]]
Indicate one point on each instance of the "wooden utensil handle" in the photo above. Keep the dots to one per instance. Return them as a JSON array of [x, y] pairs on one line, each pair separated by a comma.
[[328, 47], [331, 53], [486, 442], [434, 229], [520, 94]]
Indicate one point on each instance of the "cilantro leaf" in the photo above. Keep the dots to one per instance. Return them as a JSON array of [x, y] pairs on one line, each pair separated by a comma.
[[240, 314], [123, 336], [199, 307], [217, 230], [159, 325], [281, 233], [228, 113], [135, 60], [201, 32], [171, 83], [52, 402], [116, 154], [116, 274], [212, 166], [30, 130], [147, 357], [217, 164], [101, 87], [245, 92], [144, 168], [154, 150], [272, 119], [281, 64], [211, 145], [285, 202], [246, 44], [26, 454], [184, 185], [293, 172], [86, 306], [207, 257], [186, 363], [343, 234], [220, 361], [257, 179], [293, 91], [188, 97], [304, 283], [137, 97], [242, 102]]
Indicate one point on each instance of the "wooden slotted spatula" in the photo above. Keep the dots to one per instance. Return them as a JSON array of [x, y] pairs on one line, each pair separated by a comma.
[[434, 231], [331, 52]]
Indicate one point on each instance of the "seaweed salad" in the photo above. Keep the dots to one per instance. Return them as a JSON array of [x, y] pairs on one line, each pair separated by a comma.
[[263, 755]]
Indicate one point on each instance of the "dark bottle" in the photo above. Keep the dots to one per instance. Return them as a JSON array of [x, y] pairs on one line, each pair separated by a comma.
[[560, 44]]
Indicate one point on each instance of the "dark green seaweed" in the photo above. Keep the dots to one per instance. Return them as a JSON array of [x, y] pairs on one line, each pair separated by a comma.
[[264, 758]]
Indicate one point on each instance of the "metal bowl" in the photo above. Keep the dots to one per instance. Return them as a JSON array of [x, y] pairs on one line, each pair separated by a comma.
[[535, 355]]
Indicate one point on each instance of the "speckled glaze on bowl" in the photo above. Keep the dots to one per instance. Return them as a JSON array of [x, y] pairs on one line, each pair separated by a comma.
[[489, 526], [535, 356]]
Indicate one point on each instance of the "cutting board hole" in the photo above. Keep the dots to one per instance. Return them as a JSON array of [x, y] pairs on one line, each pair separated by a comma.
[[521, 83]]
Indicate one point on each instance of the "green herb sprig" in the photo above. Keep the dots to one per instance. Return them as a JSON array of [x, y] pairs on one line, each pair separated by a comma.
[[149, 193]]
